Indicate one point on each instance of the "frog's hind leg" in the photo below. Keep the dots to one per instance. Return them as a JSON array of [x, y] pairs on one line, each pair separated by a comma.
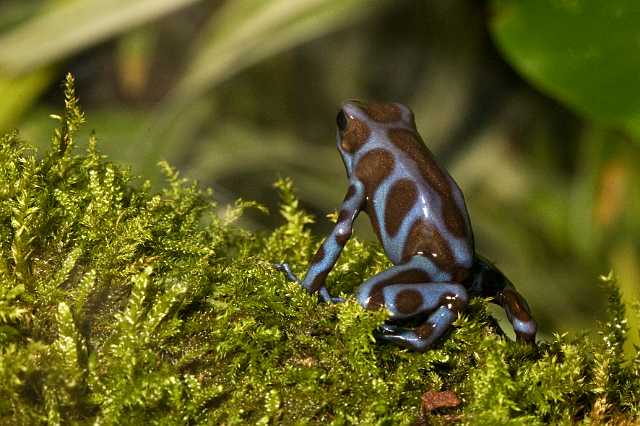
[[408, 291], [442, 302], [518, 313], [490, 282]]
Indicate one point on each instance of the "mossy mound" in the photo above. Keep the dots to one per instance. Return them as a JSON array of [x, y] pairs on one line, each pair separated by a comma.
[[120, 305]]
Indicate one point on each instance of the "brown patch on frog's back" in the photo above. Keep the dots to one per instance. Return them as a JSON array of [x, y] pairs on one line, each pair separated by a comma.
[[412, 145], [382, 112], [453, 218], [424, 239], [355, 136], [373, 168], [401, 198], [410, 276], [408, 301]]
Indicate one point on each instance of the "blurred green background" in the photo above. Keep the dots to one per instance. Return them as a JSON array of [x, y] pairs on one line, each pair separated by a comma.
[[532, 105]]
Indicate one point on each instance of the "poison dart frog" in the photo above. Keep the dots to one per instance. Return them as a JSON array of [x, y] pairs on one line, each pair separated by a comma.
[[419, 215]]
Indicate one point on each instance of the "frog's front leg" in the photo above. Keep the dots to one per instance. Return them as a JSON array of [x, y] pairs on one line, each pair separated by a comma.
[[325, 258]]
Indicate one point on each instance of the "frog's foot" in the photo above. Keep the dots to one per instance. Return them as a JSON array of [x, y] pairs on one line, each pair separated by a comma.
[[422, 337], [388, 329], [284, 267], [440, 301]]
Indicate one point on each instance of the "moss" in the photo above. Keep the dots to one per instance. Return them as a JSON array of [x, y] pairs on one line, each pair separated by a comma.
[[123, 305]]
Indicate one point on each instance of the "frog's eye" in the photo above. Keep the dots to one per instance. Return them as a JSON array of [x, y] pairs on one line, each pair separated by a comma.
[[341, 121]]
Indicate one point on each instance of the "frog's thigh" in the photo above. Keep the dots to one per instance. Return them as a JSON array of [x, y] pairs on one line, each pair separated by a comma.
[[443, 301], [418, 270], [408, 300]]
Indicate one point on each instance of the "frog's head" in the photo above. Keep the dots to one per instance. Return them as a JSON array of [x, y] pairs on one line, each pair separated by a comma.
[[361, 122]]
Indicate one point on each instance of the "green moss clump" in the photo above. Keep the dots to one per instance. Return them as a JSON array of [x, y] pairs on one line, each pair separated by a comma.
[[119, 305]]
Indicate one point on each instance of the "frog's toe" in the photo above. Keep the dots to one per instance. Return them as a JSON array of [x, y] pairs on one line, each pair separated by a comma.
[[284, 267], [327, 298], [389, 328]]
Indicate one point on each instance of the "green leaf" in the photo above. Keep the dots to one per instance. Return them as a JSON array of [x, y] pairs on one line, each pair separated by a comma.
[[582, 52]]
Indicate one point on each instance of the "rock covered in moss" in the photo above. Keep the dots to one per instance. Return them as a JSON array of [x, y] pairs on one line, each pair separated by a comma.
[[121, 305]]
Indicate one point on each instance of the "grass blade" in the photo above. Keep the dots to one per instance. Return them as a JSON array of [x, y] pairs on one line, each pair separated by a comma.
[[50, 36]]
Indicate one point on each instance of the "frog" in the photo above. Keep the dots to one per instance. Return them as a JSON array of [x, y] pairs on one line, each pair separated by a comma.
[[419, 215]]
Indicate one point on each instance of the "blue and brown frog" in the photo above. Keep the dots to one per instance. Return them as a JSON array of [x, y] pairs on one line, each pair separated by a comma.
[[418, 213]]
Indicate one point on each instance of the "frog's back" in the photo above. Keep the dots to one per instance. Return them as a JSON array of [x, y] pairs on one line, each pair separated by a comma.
[[415, 206]]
